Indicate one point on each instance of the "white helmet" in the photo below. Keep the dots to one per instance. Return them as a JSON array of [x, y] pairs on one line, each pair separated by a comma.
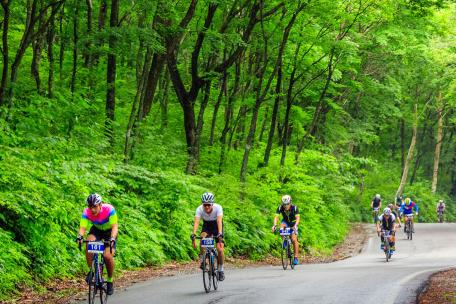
[[377, 195], [387, 211], [441, 201], [207, 198], [286, 199]]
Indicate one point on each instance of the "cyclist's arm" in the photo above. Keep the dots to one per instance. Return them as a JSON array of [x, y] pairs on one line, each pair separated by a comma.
[[298, 217], [220, 224], [416, 208], [83, 225], [114, 230], [276, 219], [196, 224]]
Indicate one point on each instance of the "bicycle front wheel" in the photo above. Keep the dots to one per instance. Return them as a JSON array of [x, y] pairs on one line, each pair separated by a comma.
[[290, 254], [207, 272], [284, 256], [92, 285]]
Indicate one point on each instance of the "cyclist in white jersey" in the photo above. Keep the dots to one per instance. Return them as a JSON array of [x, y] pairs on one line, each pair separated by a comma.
[[212, 215]]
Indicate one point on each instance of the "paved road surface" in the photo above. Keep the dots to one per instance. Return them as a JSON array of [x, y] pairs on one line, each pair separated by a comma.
[[366, 278]]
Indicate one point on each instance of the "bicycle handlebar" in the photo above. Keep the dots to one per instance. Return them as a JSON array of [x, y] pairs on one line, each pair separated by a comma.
[[104, 242]]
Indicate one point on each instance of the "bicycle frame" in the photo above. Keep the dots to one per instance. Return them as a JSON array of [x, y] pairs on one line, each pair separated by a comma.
[[210, 255]]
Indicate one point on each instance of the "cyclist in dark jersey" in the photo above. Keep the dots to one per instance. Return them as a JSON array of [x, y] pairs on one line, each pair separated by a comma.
[[290, 219], [395, 212], [387, 223]]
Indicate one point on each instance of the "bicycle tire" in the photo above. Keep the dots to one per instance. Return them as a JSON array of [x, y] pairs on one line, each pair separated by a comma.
[[284, 257], [387, 249], [207, 273], [290, 254], [103, 294], [92, 284], [215, 271], [411, 231]]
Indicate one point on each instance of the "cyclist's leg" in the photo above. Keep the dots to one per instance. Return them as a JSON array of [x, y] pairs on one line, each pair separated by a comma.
[[109, 260], [90, 238], [294, 240], [203, 235]]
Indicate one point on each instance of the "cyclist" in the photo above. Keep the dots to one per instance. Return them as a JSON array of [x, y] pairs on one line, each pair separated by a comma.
[[376, 204], [102, 218], [290, 219], [440, 207], [398, 205], [212, 215], [386, 222], [407, 208], [395, 212]]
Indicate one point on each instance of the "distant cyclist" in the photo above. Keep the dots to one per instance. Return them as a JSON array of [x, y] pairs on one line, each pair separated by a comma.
[[395, 211], [376, 205], [212, 215], [386, 222], [102, 218], [407, 208], [290, 219], [440, 208]]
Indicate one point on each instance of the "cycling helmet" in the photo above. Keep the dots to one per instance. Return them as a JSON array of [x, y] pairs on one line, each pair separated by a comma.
[[387, 211], [207, 198], [93, 199], [391, 206], [441, 201], [377, 196], [286, 200], [407, 201]]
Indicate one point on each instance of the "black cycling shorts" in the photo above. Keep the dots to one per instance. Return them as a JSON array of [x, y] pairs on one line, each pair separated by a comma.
[[211, 229]]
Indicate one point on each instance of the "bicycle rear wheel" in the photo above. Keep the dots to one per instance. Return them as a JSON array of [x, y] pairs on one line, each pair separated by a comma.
[[284, 255], [387, 250], [215, 271], [207, 272]]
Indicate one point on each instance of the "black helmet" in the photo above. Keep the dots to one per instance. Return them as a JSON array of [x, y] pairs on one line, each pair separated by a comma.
[[93, 200]]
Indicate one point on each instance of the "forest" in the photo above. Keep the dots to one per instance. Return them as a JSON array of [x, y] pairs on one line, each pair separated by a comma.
[[152, 103]]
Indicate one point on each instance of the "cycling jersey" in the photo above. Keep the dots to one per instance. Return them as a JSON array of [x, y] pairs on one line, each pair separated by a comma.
[[440, 207], [376, 202], [102, 221], [387, 224], [210, 219], [217, 210], [409, 209], [289, 216]]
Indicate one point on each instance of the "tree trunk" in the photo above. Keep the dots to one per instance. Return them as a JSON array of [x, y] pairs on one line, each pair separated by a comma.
[[87, 55], [286, 124], [400, 190], [134, 108], [102, 13], [437, 148], [249, 142], [75, 45], [152, 81], [164, 100], [274, 115], [263, 124], [5, 49], [62, 43], [229, 114], [37, 45], [26, 39], [402, 128], [50, 42], [313, 126], [217, 106], [111, 74]]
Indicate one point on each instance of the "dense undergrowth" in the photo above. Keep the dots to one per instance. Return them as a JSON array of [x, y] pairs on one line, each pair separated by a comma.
[[45, 177]]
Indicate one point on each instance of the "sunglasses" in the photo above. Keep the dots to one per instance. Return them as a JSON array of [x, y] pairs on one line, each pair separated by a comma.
[[207, 205]]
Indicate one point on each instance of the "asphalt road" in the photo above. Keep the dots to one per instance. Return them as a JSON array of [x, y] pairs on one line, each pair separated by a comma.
[[365, 278]]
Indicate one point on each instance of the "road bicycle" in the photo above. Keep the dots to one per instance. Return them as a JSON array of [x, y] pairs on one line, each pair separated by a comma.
[[210, 263], [408, 227], [95, 277], [375, 214], [287, 248], [387, 236], [440, 215]]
